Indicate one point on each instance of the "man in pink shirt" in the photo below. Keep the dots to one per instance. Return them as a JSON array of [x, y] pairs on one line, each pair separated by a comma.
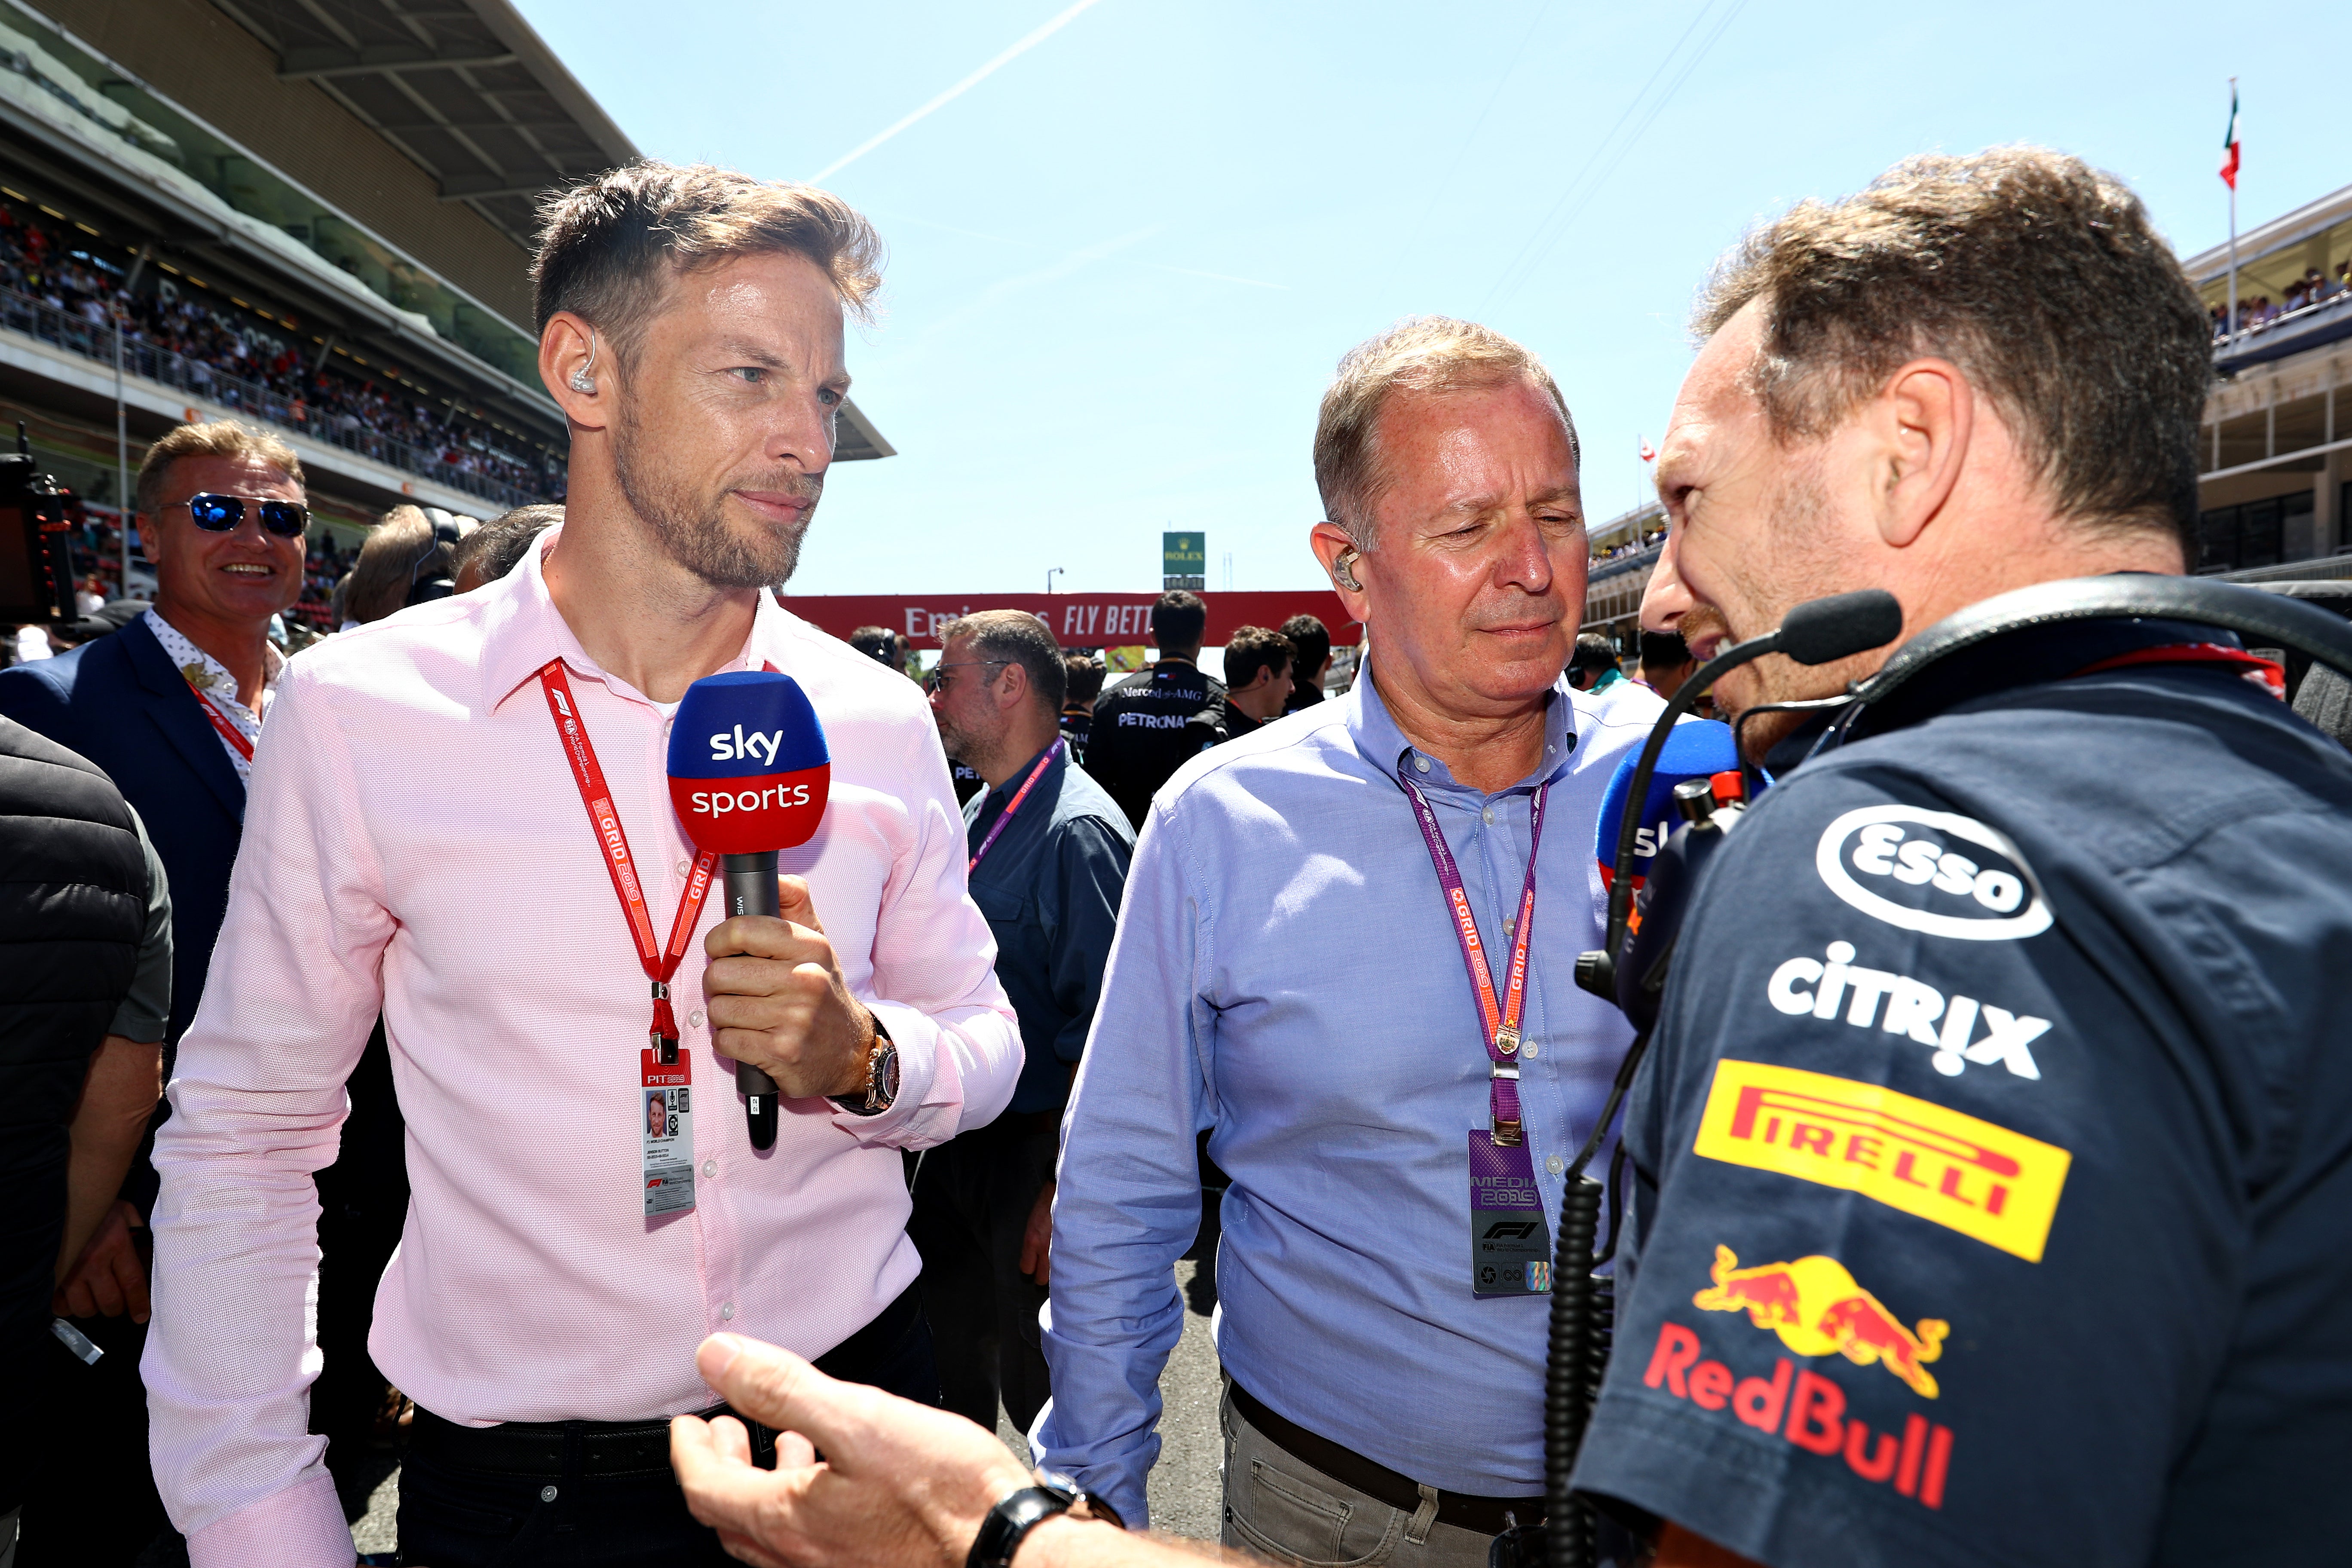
[[416, 842]]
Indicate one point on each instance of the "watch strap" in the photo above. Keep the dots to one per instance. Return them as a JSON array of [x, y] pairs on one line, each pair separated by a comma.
[[884, 1048], [1009, 1524]]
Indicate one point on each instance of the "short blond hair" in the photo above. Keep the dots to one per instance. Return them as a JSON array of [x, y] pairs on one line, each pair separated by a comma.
[[215, 438], [610, 246], [1419, 354]]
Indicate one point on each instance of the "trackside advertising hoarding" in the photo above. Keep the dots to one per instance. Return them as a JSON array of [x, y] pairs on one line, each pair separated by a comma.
[[1079, 620]]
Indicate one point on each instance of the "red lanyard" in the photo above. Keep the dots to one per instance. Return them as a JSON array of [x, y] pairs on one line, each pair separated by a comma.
[[228, 731], [1013, 805], [659, 962], [1499, 1021]]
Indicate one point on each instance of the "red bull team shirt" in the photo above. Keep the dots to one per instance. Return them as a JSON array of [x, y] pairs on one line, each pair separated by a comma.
[[1992, 1160]]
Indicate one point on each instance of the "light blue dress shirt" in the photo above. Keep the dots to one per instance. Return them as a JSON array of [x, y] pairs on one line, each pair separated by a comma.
[[1286, 976]]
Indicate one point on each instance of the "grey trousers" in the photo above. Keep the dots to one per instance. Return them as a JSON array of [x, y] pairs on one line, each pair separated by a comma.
[[1281, 1507]]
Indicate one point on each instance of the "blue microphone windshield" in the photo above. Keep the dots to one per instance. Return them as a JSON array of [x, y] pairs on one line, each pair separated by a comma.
[[749, 769], [1695, 749]]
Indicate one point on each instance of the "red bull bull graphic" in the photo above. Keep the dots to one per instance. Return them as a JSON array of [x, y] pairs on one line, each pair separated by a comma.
[[1816, 1307], [1941, 1165], [1809, 1410]]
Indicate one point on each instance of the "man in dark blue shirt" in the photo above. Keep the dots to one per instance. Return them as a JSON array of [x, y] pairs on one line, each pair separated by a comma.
[[1992, 1157], [1049, 853]]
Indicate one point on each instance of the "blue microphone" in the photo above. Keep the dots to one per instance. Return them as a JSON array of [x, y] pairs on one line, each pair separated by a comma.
[[748, 773], [1697, 749]]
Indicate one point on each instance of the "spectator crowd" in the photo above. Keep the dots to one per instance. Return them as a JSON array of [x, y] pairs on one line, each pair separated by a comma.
[[181, 335], [2259, 312]]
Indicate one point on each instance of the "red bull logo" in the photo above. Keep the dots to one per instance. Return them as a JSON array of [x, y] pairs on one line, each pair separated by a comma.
[[1804, 1408], [1816, 1307]]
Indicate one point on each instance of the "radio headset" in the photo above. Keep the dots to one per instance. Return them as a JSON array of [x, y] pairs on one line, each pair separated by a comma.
[[37, 577], [748, 773], [1629, 970]]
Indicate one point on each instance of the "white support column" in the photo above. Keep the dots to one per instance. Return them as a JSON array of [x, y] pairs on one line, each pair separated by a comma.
[[2327, 520]]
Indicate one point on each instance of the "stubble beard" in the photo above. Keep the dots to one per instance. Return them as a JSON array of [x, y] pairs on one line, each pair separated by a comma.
[[1799, 511], [693, 528]]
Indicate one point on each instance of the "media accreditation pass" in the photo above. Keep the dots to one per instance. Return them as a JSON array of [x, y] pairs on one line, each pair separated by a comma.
[[1510, 1245], [665, 1068]]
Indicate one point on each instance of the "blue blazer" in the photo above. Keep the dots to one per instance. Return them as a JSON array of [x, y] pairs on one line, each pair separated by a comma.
[[123, 704]]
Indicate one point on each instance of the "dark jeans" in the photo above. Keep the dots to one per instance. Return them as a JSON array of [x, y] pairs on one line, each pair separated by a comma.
[[90, 1499], [456, 1514], [972, 1198]]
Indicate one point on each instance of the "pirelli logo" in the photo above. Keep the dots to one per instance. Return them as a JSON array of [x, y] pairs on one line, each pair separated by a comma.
[[1975, 1177]]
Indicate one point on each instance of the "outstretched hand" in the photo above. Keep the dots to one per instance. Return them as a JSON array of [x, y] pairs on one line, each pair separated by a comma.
[[900, 1484]]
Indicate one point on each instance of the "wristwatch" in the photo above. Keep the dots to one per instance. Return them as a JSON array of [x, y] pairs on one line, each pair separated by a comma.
[[881, 1075], [1011, 1520]]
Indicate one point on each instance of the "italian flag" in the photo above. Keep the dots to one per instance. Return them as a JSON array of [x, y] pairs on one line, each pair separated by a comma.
[[2230, 145]]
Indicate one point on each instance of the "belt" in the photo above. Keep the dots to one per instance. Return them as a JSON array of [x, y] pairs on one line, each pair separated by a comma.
[[1483, 1515], [634, 1447]]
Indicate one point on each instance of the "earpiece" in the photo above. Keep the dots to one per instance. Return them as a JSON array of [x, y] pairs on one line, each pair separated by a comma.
[[581, 382], [1344, 570]]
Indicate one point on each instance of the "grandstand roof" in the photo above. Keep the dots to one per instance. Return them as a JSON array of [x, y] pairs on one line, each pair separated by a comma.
[[374, 165], [467, 90], [2305, 223]]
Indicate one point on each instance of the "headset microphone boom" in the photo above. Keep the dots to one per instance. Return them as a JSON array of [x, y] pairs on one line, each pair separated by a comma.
[[748, 773]]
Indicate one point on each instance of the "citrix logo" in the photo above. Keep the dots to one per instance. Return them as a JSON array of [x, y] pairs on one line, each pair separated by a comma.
[[754, 747], [1913, 1009]]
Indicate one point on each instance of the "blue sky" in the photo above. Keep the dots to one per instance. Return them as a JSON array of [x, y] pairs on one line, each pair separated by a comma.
[[1123, 266]]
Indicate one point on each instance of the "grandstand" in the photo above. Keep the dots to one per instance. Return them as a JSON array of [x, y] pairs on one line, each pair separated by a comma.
[[1625, 552], [2274, 453], [312, 214]]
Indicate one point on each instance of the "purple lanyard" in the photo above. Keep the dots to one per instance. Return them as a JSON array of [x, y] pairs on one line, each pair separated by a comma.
[[1013, 805], [1499, 1021]]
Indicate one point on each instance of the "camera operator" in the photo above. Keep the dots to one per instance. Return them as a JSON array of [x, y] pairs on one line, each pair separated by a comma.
[[1994, 1147]]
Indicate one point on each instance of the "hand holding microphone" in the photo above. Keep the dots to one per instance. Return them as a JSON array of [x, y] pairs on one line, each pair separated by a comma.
[[748, 773], [777, 1000]]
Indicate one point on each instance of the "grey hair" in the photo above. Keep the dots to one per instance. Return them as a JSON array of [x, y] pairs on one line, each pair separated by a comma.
[[1422, 354]]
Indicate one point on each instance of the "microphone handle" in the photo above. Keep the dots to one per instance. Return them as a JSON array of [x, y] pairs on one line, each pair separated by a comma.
[[751, 890]]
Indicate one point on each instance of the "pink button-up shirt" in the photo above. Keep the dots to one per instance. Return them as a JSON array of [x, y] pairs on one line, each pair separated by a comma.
[[414, 845]]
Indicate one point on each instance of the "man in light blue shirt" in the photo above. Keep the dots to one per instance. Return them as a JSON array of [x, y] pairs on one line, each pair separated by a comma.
[[1387, 1386]]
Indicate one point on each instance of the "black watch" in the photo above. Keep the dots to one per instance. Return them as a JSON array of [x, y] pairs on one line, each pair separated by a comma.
[[1008, 1524]]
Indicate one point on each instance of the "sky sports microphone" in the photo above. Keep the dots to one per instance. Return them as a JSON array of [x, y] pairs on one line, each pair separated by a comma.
[[748, 773], [1697, 749]]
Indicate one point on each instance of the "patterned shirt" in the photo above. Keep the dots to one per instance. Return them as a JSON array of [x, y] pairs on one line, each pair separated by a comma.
[[216, 688]]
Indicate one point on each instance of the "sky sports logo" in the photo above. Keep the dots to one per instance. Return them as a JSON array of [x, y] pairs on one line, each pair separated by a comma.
[[1808, 1410], [754, 747], [773, 797]]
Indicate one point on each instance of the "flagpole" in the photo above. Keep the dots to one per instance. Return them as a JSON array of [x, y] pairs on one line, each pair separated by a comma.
[[2232, 322]]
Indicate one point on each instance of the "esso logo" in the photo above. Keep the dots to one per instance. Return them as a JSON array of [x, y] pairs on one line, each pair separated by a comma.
[[1978, 885]]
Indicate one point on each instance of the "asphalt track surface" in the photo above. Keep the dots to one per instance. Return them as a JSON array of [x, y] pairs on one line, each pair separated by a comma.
[[1185, 1493]]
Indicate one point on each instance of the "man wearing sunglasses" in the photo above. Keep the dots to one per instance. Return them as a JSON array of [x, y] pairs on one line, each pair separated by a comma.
[[171, 706]]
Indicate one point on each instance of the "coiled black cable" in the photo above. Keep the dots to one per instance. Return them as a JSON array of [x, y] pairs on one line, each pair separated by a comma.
[[1579, 1348]]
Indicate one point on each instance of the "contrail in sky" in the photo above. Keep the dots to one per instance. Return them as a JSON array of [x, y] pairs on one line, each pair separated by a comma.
[[957, 90]]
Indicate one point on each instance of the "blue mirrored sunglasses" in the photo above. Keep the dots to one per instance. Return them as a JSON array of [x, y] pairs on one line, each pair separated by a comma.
[[220, 514]]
